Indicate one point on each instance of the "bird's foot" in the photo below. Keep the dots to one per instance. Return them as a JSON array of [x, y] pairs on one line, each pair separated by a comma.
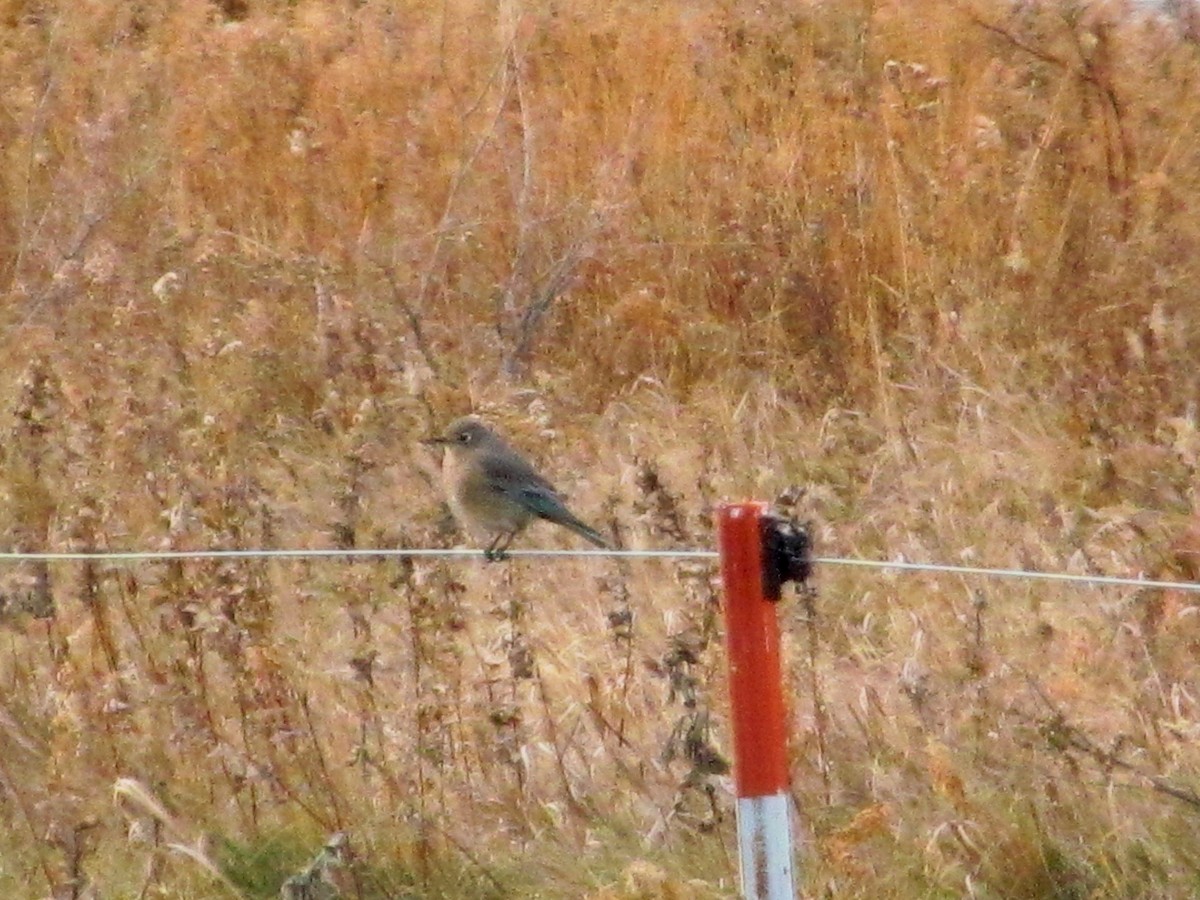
[[492, 555]]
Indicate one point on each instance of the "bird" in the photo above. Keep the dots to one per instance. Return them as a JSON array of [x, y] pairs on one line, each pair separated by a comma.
[[493, 490]]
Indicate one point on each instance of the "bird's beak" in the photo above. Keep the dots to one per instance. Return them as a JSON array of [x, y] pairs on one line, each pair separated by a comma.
[[434, 441]]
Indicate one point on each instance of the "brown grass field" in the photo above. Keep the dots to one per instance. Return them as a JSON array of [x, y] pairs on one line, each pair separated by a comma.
[[929, 271]]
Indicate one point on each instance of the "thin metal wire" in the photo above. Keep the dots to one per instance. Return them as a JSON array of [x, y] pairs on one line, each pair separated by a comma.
[[463, 553], [1014, 573], [321, 553]]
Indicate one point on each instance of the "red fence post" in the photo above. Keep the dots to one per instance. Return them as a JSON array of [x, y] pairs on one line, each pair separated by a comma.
[[760, 767]]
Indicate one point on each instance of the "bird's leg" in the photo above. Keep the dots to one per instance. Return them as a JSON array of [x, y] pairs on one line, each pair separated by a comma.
[[495, 551], [490, 553]]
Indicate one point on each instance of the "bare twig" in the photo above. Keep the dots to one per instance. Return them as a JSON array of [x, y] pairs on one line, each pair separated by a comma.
[[1062, 733]]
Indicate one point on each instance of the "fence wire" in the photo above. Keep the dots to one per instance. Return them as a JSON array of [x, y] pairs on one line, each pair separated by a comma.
[[887, 566]]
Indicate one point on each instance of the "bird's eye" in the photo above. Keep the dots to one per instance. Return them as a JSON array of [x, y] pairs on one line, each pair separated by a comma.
[[465, 437]]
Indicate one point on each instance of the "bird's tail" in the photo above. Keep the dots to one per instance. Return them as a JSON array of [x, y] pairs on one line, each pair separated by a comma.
[[585, 531], [545, 504]]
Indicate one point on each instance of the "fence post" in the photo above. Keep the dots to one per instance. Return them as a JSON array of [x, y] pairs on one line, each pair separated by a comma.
[[760, 767]]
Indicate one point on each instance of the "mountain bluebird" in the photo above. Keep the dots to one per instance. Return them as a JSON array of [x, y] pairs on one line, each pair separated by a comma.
[[494, 492]]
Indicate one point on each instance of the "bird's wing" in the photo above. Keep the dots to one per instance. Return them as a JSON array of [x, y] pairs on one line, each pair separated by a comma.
[[513, 477], [518, 480]]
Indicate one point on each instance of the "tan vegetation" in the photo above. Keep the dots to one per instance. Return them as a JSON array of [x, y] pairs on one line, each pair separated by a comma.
[[936, 264]]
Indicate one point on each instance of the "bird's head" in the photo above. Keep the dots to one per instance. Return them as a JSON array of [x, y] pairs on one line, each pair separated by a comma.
[[464, 436]]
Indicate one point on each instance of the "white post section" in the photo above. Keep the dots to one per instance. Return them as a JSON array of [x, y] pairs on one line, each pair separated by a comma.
[[765, 847]]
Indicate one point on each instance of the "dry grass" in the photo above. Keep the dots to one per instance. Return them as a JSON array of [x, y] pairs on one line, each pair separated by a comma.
[[938, 268]]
